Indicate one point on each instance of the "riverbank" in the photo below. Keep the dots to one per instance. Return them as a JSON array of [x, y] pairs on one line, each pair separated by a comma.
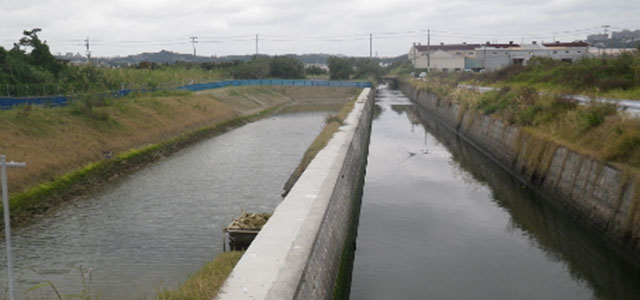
[[529, 136], [75, 149], [205, 283], [218, 267], [615, 77], [300, 257]]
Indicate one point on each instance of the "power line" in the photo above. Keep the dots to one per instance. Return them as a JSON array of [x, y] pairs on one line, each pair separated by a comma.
[[406, 35]]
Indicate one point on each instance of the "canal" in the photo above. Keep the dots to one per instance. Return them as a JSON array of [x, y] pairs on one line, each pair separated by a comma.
[[152, 229], [441, 221]]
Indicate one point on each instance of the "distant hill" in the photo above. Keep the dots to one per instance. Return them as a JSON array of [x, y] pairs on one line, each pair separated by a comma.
[[168, 57], [162, 57]]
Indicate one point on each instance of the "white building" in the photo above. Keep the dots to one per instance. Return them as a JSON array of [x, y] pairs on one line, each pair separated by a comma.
[[441, 57], [489, 56]]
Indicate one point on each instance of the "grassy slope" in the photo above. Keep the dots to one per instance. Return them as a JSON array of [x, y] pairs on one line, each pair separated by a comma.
[[205, 283], [632, 93], [596, 130], [164, 77], [55, 142], [611, 77]]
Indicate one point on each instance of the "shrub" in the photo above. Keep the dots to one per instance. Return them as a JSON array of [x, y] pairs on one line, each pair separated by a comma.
[[626, 148], [594, 114], [494, 102], [340, 68], [286, 67], [315, 70]]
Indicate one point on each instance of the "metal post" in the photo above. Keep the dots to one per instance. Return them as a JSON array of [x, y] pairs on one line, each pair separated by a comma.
[[370, 45], [257, 45], [428, 50], [194, 41], [7, 222]]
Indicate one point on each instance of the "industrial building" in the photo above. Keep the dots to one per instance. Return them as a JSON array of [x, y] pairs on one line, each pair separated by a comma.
[[489, 56]]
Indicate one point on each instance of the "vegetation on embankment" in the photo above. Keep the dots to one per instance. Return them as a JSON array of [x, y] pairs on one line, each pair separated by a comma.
[[597, 130], [67, 149], [333, 123], [606, 76], [29, 69], [204, 284]]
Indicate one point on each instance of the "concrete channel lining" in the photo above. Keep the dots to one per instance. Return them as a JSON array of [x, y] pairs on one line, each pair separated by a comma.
[[273, 266]]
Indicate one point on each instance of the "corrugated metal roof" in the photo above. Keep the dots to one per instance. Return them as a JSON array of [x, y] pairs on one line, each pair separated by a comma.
[[463, 47], [452, 47], [510, 45], [570, 44]]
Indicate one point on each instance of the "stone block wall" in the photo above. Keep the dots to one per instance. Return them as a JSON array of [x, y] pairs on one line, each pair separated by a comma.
[[598, 192]]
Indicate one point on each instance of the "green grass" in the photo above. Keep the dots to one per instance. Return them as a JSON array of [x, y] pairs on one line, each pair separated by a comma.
[[93, 79], [611, 77], [206, 282], [597, 129], [39, 198]]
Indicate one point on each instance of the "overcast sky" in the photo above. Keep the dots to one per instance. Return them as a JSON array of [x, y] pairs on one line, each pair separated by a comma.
[[223, 27]]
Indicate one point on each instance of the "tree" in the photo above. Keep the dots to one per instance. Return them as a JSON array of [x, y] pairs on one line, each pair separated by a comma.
[[256, 68], [286, 67], [315, 70], [40, 55], [340, 68], [367, 67]]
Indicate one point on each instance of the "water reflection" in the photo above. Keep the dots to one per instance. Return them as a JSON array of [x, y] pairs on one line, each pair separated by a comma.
[[441, 221], [589, 259], [157, 226]]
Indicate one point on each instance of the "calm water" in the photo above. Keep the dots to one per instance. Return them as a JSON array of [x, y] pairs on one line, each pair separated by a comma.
[[156, 227], [441, 221]]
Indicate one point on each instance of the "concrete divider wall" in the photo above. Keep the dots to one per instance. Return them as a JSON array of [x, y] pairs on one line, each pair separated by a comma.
[[297, 253], [597, 192]]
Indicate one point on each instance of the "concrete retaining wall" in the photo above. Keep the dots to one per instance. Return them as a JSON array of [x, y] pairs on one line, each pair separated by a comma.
[[297, 253], [597, 192]]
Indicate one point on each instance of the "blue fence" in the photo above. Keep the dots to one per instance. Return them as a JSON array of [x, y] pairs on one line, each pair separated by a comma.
[[53, 101]]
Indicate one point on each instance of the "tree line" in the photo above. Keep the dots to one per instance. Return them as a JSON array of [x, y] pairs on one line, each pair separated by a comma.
[[29, 69]]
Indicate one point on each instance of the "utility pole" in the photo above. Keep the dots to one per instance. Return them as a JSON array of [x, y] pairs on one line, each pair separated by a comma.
[[194, 41], [87, 45], [257, 52], [7, 221], [601, 50], [428, 50], [370, 45]]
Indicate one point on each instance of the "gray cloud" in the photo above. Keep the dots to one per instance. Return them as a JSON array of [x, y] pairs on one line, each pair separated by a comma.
[[120, 27]]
